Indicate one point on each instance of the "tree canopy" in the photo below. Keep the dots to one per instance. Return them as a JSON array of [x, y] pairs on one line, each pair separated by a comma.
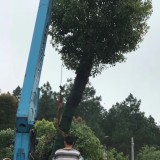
[[99, 31]]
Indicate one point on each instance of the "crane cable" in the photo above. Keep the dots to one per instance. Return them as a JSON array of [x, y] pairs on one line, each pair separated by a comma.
[[61, 73]]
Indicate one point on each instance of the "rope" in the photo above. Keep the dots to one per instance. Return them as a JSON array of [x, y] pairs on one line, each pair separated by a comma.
[[60, 103], [60, 98], [61, 73]]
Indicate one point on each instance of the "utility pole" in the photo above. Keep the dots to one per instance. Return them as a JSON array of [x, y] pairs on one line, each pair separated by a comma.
[[132, 148]]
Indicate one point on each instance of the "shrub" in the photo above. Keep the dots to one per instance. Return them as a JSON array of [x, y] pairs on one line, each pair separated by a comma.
[[6, 143]]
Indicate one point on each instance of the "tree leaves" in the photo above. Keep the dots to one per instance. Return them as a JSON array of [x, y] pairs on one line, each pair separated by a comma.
[[101, 30]]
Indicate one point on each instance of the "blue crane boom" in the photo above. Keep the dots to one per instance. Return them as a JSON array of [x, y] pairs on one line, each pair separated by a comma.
[[28, 106]]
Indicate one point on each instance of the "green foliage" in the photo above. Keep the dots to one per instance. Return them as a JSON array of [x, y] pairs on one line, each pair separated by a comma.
[[17, 92], [8, 108], [147, 153], [123, 121], [114, 155], [101, 31], [86, 142], [6, 140], [44, 127], [45, 133]]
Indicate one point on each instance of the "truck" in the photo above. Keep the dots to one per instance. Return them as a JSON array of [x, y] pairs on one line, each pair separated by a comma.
[[28, 106]]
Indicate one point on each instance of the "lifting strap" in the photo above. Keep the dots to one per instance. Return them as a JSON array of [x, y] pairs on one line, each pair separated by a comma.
[[59, 112], [60, 103]]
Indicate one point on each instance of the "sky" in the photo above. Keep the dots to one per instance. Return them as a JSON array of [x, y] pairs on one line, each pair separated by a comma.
[[139, 75]]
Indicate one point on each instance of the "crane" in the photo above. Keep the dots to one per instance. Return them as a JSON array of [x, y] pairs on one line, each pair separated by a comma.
[[28, 105]]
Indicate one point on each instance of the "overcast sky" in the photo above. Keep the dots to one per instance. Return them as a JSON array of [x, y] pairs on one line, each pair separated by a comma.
[[140, 75]]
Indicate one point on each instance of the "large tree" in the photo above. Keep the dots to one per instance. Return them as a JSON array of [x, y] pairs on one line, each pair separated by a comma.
[[93, 34]]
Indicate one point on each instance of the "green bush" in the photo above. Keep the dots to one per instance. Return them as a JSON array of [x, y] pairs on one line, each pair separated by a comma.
[[147, 153], [114, 155], [6, 143], [86, 141], [45, 133]]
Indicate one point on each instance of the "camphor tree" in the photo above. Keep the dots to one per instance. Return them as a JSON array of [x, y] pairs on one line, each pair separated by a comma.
[[93, 34]]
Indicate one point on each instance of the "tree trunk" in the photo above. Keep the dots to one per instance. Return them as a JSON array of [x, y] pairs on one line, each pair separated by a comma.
[[81, 79]]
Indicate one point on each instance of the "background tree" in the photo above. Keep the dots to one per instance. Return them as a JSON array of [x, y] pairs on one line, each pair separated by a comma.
[[8, 108], [92, 34], [48, 103], [17, 92], [125, 120]]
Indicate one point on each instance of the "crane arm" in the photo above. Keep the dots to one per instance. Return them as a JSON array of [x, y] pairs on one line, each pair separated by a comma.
[[28, 106]]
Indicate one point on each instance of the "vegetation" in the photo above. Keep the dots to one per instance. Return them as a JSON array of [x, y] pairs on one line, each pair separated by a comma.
[[45, 135], [112, 154], [90, 35], [121, 122], [113, 128], [86, 141], [6, 143], [17, 92], [149, 153], [125, 120], [48, 103], [8, 108]]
